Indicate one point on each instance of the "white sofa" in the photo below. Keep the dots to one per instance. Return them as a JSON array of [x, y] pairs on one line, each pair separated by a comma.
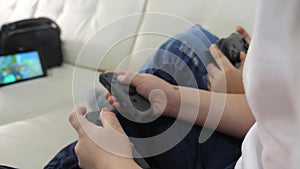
[[97, 35]]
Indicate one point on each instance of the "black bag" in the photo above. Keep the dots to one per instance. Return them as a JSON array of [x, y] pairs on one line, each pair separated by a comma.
[[41, 34]]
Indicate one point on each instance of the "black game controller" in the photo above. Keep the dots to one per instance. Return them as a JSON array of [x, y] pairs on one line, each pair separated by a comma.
[[130, 101], [94, 117], [231, 48]]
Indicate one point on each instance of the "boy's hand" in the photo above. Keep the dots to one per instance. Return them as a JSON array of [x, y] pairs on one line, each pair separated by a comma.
[[228, 74], [115, 150], [228, 79], [164, 97]]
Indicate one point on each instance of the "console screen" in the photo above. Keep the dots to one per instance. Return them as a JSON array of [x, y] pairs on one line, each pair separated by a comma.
[[20, 67]]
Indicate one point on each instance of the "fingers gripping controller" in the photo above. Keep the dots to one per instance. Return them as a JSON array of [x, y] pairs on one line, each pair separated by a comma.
[[94, 118], [231, 48], [130, 101]]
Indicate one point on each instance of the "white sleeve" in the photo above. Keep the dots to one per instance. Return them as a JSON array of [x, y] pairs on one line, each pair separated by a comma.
[[272, 83]]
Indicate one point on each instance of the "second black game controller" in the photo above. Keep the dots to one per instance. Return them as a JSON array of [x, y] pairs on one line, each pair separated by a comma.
[[131, 102], [231, 48]]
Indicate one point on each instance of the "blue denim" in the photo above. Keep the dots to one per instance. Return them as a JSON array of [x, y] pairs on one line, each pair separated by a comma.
[[181, 61], [65, 159]]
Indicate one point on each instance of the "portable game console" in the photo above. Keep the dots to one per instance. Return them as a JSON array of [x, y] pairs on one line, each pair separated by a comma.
[[19, 67]]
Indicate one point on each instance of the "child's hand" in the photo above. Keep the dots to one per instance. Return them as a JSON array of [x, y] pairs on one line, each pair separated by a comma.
[[228, 73], [162, 95], [228, 79], [101, 147]]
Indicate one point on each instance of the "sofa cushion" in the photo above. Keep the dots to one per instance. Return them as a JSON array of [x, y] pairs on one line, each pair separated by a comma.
[[31, 143], [81, 20], [63, 86]]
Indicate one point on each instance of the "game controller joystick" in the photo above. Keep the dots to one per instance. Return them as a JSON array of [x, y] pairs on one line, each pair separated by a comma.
[[130, 100]]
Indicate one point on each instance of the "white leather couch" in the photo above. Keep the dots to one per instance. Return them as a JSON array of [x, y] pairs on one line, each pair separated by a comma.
[[97, 35]]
